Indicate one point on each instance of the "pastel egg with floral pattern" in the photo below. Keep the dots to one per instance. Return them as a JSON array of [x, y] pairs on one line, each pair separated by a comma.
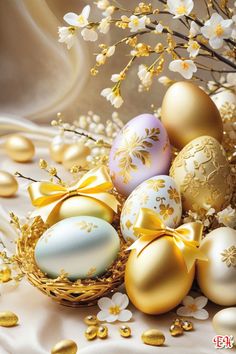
[[158, 193], [82, 247], [141, 150]]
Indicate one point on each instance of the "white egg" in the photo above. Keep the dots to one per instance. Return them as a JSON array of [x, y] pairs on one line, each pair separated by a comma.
[[224, 322], [158, 193], [81, 246]]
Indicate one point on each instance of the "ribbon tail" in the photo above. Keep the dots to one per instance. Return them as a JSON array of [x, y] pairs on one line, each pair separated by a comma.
[[45, 211]]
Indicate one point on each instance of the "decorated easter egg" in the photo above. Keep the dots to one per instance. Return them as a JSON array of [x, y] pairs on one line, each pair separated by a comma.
[[158, 193], [217, 276], [224, 322], [202, 173], [82, 247], [187, 112], [141, 150]]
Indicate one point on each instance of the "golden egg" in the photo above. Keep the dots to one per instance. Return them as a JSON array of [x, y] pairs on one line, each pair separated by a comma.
[[217, 276], [153, 337], [19, 148], [75, 155], [57, 151], [91, 320], [157, 280], [65, 346], [102, 332], [91, 332], [125, 331], [187, 112], [8, 319], [79, 206], [8, 184], [5, 273], [202, 173], [224, 322]]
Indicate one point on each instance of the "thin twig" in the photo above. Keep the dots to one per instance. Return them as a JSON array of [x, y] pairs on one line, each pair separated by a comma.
[[19, 175]]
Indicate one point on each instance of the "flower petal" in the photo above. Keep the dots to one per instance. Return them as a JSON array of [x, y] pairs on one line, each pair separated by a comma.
[[184, 311], [86, 11], [105, 303], [188, 300], [71, 18], [112, 318], [102, 315], [120, 300], [201, 314], [201, 301], [124, 316]]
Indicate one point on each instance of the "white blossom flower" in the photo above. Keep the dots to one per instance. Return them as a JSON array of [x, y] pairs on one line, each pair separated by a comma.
[[233, 34], [194, 308], [101, 59], [89, 34], [113, 95], [116, 77], [159, 28], [145, 75], [103, 4], [67, 35], [104, 25], [185, 67], [137, 23], [78, 20], [109, 11], [180, 7], [114, 309], [216, 29], [193, 48], [227, 217], [164, 80], [110, 51], [194, 29]]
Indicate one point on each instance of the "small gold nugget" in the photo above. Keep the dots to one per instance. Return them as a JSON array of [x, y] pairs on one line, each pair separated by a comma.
[[176, 331], [91, 320], [91, 332], [125, 331], [153, 337], [187, 326], [102, 332]]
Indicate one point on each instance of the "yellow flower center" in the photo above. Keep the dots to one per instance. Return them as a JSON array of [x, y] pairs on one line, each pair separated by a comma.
[[195, 45], [115, 310], [219, 30], [81, 20], [71, 29], [193, 307], [181, 10], [185, 65], [135, 21]]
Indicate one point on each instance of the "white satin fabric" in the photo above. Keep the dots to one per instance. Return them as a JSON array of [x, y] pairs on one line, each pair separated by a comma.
[[44, 322]]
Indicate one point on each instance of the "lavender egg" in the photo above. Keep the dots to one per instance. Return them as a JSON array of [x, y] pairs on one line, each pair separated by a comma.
[[141, 150]]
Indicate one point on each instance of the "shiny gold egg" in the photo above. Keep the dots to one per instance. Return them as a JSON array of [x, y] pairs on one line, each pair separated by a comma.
[[57, 151], [5, 273], [202, 173], [19, 148], [125, 331], [187, 112], [102, 332], [79, 206], [65, 346], [91, 332], [224, 322], [8, 319], [75, 155], [153, 337], [176, 330], [217, 276], [8, 184], [91, 320], [157, 280]]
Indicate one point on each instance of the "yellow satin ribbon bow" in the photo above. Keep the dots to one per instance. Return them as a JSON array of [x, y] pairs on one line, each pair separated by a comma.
[[95, 184], [186, 237]]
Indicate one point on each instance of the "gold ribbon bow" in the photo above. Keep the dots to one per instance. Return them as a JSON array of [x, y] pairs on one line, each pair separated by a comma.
[[95, 184], [186, 237]]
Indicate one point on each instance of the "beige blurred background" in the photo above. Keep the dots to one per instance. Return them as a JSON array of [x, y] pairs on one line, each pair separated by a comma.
[[39, 76]]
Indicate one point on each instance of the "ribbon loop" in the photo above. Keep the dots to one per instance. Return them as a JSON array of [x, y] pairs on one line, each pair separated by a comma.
[[187, 237], [95, 184]]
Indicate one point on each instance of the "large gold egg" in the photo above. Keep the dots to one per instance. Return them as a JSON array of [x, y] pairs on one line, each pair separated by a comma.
[[57, 151], [8, 184], [75, 155], [217, 276], [224, 322], [202, 173], [19, 148], [187, 112], [78, 206], [157, 280]]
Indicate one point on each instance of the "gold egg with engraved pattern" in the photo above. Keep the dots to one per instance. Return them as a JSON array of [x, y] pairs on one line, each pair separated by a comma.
[[202, 173], [217, 276], [8, 184], [75, 155], [65, 346], [19, 148], [8, 319], [153, 337]]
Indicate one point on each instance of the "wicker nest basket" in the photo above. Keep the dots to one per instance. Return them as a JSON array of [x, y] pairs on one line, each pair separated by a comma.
[[79, 293]]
